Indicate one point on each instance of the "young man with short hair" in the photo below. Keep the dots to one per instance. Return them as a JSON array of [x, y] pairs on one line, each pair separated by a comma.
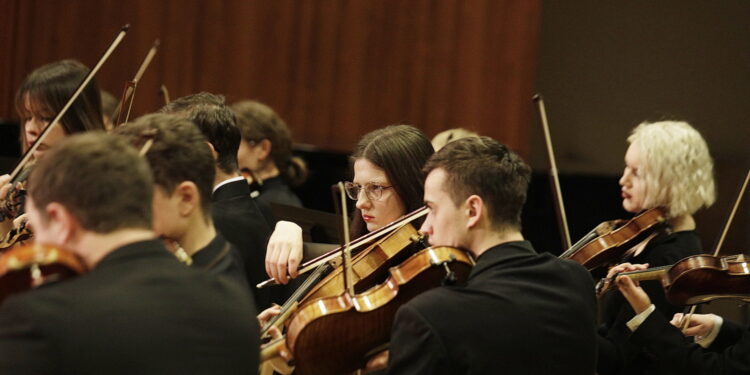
[[138, 310], [237, 216], [520, 311], [183, 172]]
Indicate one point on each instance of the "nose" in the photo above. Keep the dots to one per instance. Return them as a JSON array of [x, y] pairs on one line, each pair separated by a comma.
[[362, 200], [624, 179], [426, 227], [32, 132]]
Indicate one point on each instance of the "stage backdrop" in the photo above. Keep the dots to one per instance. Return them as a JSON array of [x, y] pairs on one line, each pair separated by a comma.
[[334, 69]]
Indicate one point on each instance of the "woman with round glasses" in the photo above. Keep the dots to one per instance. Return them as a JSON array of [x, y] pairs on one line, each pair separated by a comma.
[[388, 183]]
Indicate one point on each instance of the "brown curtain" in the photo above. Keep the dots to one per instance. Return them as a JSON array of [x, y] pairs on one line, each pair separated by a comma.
[[334, 69]]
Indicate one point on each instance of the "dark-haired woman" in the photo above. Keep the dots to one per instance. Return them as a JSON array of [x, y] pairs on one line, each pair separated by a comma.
[[266, 151], [388, 183], [42, 94]]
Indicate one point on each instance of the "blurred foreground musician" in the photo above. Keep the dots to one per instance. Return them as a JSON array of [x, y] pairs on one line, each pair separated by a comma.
[[520, 311], [138, 310]]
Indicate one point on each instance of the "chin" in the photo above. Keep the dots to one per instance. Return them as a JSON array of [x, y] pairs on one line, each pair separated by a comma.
[[372, 227]]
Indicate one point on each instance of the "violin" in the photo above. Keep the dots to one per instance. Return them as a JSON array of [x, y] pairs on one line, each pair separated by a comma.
[[27, 267], [337, 334], [612, 241], [20, 173], [696, 279], [369, 266]]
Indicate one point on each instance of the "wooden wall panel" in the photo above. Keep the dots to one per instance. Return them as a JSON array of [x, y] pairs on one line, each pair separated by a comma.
[[334, 69]]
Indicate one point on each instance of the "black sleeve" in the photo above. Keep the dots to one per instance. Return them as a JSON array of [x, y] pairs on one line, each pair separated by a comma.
[[415, 348], [667, 343], [23, 349]]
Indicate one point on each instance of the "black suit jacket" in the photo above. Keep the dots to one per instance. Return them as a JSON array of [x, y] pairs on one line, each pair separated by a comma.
[[728, 354], [519, 313], [616, 354], [221, 258], [239, 219], [139, 311], [275, 190]]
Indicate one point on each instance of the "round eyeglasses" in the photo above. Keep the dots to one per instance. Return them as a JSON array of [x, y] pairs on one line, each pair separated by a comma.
[[373, 192]]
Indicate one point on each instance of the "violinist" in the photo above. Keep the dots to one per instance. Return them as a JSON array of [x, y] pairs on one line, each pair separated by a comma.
[[183, 172], [723, 347], [520, 311], [42, 94], [266, 151], [388, 183], [667, 165], [138, 310], [238, 217]]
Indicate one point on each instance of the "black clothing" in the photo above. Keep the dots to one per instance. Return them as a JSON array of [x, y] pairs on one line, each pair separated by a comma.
[[275, 190], [239, 219], [139, 311], [220, 257], [728, 354], [519, 313], [616, 355]]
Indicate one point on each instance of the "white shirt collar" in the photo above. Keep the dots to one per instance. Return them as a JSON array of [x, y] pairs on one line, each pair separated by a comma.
[[233, 179]]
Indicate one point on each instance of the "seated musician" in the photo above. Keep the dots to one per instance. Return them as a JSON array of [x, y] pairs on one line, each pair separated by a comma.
[[266, 151], [727, 345], [138, 310], [236, 215], [520, 311], [667, 165], [183, 177], [42, 94], [387, 184]]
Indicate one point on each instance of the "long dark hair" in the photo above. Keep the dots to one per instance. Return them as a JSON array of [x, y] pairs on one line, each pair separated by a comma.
[[401, 151], [50, 86]]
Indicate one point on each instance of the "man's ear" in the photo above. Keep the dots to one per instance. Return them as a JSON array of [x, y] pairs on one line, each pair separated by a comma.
[[214, 154], [63, 225], [188, 197], [474, 209], [265, 149]]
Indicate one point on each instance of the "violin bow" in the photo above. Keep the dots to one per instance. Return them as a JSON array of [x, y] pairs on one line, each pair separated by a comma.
[[346, 250], [43, 135], [313, 264], [128, 93], [686, 318], [562, 219]]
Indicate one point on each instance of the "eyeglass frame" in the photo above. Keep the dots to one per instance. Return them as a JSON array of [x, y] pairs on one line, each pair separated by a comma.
[[369, 192]]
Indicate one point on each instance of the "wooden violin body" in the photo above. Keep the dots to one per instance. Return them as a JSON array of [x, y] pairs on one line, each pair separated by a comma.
[[698, 279], [334, 335], [370, 266], [610, 242], [31, 266]]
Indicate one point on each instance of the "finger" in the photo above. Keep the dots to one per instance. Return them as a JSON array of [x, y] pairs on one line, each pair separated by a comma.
[[281, 264], [694, 331], [627, 287], [274, 332], [270, 251], [676, 319], [295, 257]]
